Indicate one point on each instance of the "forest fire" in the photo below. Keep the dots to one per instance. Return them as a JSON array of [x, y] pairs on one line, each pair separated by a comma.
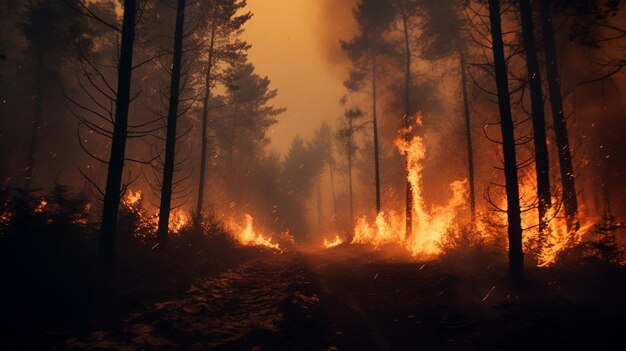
[[132, 198], [179, 218], [545, 247], [243, 232], [5, 217], [247, 235], [557, 238], [41, 206], [430, 224], [312, 174], [335, 242]]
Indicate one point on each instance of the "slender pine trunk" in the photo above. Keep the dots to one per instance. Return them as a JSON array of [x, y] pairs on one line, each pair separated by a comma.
[[350, 151], [118, 143], [319, 203], [231, 143], [36, 124], [516, 254], [375, 126], [407, 124], [570, 202], [170, 137], [332, 187], [205, 125], [468, 135], [542, 165]]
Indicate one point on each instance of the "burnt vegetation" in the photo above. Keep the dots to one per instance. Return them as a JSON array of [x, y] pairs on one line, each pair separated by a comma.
[[468, 194]]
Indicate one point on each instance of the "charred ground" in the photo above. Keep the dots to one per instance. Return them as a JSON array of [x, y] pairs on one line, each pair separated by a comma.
[[215, 294]]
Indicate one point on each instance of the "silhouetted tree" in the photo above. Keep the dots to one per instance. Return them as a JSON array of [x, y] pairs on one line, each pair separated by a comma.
[[172, 118], [442, 34], [299, 170], [322, 149], [568, 188], [373, 18], [516, 255], [53, 31], [103, 109], [225, 26], [240, 123], [542, 165], [347, 133], [118, 142], [406, 11], [468, 133], [594, 24]]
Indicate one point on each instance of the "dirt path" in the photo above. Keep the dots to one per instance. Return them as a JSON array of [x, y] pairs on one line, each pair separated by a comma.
[[352, 299], [268, 303]]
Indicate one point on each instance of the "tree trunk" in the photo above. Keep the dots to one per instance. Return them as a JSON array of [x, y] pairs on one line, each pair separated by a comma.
[[468, 135], [516, 255], [570, 203], [319, 203], [332, 187], [118, 142], [205, 125], [350, 150], [34, 134], [407, 124], [542, 165], [170, 137], [375, 126]]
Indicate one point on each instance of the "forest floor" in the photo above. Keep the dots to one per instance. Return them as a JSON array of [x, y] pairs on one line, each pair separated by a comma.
[[351, 298]]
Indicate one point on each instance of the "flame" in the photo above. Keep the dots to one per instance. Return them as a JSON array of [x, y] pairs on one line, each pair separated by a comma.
[[429, 224], [42, 205], [132, 198], [5, 217], [557, 238], [546, 247], [336, 242], [384, 231], [179, 219], [247, 235]]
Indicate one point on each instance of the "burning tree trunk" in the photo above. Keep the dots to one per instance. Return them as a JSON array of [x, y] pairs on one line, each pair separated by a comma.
[[32, 147], [516, 255], [468, 134], [170, 137], [205, 125], [375, 126], [407, 121], [118, 142], [542, 165], [560, 126]]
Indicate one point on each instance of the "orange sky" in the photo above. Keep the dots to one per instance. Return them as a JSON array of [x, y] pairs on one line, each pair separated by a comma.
[[287, 46]]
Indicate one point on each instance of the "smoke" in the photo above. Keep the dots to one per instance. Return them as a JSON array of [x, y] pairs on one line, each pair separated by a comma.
[[598, 128], [596, 122], [595, 113], [335, 22]]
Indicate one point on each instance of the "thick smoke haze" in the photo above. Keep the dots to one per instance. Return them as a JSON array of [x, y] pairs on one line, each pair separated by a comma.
[[297, 45], [312, 174], [293, 44]]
